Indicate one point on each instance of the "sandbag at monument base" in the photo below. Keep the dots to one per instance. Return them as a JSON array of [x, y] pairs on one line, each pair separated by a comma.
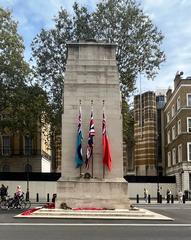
[[93, 193]]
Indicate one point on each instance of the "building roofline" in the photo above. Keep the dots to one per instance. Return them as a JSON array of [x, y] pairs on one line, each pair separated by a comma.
[[174, 93]]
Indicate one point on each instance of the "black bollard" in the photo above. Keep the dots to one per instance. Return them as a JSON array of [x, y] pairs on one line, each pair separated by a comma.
[[160, 199], [48, 197], [149, 198], [183, 199], [27, 196], [172, 199], [137, 198], [37, 197], [168, 198]]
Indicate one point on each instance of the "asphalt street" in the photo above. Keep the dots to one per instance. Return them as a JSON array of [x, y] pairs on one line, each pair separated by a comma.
[[66, 229]]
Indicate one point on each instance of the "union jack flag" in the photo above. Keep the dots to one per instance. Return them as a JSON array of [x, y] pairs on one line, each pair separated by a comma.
[[89, 152]]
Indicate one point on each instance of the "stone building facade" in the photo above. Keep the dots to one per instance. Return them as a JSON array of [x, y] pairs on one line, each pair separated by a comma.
[[177, 132], [20, 153]]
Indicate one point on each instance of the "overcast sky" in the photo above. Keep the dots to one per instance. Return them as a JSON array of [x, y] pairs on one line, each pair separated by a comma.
[[172, 17]]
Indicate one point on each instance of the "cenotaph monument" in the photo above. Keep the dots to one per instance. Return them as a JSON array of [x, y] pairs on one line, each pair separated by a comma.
[[91, 79]]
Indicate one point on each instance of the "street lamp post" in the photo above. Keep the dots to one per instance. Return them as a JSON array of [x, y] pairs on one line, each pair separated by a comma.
[[157, 158], [158, 190], [27, 193]]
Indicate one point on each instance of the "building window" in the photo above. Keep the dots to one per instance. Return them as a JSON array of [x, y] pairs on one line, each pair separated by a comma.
[[168, 117], [178, 103], [168, 137], [173, 111], [180, 153], [179, 127], [169, 159], [6, 145], [189, 124], [173, 132], [28, 145], [189, 99], [174, 156], [189, 151]]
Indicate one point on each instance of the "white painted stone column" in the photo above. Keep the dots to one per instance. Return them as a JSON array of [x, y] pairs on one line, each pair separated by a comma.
[[92, 75]]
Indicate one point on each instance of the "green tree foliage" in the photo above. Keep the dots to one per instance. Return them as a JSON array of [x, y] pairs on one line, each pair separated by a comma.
[[13, 68], [138, 40], [128, 131], [21, 103], [128, 123], [49, 49]]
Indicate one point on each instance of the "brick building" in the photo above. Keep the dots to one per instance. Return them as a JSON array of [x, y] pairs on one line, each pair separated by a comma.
[[145, 133]]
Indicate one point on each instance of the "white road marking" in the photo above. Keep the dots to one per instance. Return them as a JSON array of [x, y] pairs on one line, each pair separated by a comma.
[[99, 224]]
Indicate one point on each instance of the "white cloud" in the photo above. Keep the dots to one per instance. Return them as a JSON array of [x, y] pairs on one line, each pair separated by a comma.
[[173, 19]]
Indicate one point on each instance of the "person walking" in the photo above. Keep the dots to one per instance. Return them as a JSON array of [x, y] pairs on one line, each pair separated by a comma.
[[180, 196], [145, 195], [18, 196], [168, 195]]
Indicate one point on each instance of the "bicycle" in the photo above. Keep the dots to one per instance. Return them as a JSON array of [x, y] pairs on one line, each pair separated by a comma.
[[14, 203]]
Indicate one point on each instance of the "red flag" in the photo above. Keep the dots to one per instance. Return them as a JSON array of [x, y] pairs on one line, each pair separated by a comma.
[[106, 148]]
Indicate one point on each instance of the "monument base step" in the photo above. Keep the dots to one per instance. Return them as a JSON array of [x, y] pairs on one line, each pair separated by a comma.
[[139, 214]]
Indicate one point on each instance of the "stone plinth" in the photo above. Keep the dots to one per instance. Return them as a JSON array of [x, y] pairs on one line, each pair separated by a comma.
[[92, 193]]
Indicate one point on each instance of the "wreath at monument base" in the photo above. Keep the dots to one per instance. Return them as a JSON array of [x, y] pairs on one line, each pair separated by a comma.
[[87, 175], [64, 206]]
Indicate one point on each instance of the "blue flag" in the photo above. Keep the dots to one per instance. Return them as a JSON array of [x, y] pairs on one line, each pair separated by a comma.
[[79, 157]]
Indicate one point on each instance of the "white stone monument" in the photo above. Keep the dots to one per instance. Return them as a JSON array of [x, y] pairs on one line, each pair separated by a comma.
[[92, 76]]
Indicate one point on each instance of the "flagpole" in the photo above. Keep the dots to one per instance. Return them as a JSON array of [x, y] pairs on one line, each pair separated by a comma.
[[92, 146], [81, 120], [102, 137]]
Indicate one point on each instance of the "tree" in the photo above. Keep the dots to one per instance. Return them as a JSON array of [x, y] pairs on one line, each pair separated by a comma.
[[120, 21], [128, 132], [21, 102], [12, 66], [128, 122], [49, 49], [138, 40]]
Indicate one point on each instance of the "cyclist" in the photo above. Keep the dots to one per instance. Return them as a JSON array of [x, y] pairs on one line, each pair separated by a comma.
[[18, 196], [3, 192]]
